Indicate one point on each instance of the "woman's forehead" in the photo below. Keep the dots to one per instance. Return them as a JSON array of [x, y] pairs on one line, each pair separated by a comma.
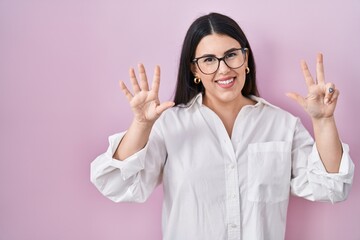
[[216, 44]]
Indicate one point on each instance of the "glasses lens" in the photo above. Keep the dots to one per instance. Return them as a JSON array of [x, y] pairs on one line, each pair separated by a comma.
[[233, 59], [208, 65]]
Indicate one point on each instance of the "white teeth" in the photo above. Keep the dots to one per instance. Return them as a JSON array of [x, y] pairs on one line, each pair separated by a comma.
[[226, 81]]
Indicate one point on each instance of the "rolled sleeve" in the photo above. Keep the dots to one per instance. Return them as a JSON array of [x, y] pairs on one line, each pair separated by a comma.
[[116, 179], [132, 179], [131, 165], [332, 187]]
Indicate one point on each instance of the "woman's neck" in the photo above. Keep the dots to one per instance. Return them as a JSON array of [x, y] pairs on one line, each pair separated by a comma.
[[227, 111]]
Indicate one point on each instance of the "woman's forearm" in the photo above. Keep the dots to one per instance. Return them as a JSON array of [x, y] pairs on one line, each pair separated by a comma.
[[134, 140], [328, 143]]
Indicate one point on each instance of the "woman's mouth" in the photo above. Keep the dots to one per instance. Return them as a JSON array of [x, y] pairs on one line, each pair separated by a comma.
[[226, 83]]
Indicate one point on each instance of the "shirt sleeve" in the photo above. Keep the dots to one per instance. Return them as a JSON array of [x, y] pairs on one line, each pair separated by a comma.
[[310, 179], [134, 178]]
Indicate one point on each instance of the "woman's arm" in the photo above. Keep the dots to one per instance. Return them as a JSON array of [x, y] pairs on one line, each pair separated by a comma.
[[134, 140], [328, 143], [146, 107], [320, 104], [133, 180]]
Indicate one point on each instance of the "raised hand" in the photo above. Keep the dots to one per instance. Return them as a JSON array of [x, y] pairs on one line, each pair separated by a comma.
[[144, 102], [321, 99]]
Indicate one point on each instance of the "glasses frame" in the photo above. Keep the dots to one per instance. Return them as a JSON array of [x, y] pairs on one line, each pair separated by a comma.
[[243, 50]]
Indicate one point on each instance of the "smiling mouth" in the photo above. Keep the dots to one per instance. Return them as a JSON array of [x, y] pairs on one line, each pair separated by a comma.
[[225, 82]]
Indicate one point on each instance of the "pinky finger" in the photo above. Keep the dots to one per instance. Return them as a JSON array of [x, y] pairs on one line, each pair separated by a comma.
[[125, 90]]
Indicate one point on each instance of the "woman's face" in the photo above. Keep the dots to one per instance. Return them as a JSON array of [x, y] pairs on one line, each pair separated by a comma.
[[225, 85]]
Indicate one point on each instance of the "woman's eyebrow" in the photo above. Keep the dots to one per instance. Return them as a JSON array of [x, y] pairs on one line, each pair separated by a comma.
[[230, 50], [207, 55], [213, 55]]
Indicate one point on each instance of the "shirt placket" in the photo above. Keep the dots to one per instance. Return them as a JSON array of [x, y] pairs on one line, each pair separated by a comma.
[[231, 175], [232, 190]]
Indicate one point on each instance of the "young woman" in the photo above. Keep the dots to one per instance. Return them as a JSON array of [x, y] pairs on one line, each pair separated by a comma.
[[228, 160]]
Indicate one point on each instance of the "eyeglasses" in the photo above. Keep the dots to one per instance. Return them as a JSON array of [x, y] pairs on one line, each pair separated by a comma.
[[209, 64]]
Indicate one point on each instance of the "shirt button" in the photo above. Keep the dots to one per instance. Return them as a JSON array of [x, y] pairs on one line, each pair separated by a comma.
[[233, 225], [231, 166]]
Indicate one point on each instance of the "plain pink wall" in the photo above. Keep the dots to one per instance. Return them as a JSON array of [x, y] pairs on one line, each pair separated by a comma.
[[60, 62]]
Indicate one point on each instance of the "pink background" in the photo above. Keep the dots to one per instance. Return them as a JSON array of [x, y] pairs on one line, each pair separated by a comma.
[[60, 62]]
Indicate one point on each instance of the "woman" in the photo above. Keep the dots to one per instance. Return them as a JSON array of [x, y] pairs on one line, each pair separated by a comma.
[[227, 159]]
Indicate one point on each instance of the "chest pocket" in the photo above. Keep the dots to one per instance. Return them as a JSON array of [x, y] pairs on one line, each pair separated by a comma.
[[269, 171]]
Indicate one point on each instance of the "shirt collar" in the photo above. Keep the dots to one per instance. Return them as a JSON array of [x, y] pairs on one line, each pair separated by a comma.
[[260, 101], [198, 99]]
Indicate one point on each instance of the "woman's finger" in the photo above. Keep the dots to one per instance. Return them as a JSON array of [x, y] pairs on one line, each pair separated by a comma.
[[125, 90], [297, 98], [163, 106], [307, 75], [334, 97], [331, 93], [143, 79], [134, 81], [320, 76], [156, 80]]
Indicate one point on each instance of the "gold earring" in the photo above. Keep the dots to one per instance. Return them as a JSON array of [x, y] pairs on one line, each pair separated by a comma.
[[247, 70], [197, 80]]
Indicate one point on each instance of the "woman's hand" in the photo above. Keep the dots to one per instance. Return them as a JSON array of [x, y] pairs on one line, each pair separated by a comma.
[[320, 104], [145, 103], [322, 97]]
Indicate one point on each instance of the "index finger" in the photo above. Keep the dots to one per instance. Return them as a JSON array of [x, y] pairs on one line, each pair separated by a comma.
[[307, 75]]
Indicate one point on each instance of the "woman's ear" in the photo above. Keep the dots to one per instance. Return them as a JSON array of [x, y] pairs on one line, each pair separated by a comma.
[[246, 63], [193, 69]]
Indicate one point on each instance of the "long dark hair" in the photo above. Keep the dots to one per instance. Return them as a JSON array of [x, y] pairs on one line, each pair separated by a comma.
[[212, 23]]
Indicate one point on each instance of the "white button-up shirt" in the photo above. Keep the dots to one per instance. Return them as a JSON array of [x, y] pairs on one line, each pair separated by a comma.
[[221, 188]]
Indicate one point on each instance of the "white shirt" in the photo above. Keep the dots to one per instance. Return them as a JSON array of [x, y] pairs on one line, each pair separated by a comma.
[[221, 188]]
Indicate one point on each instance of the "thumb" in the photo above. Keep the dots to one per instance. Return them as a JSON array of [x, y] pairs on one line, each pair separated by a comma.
[[163, 106], [297, 98]]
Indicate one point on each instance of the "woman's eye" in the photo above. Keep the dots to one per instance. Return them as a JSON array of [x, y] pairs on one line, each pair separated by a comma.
[[231, 55], [209, 60]]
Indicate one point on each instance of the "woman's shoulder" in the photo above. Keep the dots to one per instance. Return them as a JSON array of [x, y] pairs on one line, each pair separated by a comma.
[[270, 109]]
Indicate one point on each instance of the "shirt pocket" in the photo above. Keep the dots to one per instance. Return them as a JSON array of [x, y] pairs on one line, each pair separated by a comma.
[[269, 171]]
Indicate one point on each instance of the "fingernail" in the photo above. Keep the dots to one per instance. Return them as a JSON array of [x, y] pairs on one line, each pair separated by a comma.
[[326, 101]]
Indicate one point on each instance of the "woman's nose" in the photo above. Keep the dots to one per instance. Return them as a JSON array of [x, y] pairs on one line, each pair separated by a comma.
[[223, 68]]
